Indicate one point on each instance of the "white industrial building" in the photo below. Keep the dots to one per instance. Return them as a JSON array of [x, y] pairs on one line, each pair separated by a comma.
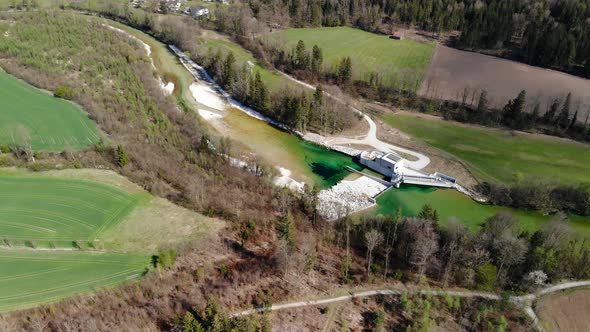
[[393, 166]]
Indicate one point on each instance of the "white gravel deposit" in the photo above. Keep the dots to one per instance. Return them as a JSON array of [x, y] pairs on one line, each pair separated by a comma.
[[168, 88], [205, 95], [208, 115], [348, 197], [285, 180]]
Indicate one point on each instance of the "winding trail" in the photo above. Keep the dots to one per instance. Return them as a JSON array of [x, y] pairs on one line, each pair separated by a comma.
[[370, 138], [524, 301]]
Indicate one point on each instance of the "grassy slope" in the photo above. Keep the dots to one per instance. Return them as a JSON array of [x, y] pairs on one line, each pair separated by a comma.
[[498, 155], [167, 65], [50, 123], [369, 52], [30, 278], [450, 203]]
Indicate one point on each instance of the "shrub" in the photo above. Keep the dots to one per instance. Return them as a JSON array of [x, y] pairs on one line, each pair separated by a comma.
[[5, 149], [486, 276], [64, 92], [165, 259]]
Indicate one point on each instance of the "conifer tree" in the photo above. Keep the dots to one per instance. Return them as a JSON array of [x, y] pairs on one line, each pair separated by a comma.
[[317, 60], [229, 70], [286, 229], [513, 111], [122, 158], [563, 119]]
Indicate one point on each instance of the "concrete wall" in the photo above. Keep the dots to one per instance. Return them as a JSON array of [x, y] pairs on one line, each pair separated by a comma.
[[379, 165]]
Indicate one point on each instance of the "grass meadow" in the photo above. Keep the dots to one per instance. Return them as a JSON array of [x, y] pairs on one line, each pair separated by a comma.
[[500, 155], [29, 115], [369, 52], [29, 278]]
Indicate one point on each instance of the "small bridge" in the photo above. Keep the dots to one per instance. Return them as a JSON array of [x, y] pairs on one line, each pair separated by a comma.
[[421, 181]]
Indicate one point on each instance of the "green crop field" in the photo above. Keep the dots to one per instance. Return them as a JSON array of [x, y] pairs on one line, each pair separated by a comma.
[[369, 52], [451, 203], [500, 155], [42, 210], [115, 223], [30, 278], [31, 116]]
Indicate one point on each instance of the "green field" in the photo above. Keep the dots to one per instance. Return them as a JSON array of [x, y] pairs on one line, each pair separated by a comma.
[[369, 52], [29, 115], [43, 210], [117, 226], [451, 203], [30, 278], [500, 155], [274, 81]]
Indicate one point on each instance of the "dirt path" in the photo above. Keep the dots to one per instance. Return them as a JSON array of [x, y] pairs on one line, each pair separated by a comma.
[[525, 302], [383, 292], [370, 138]]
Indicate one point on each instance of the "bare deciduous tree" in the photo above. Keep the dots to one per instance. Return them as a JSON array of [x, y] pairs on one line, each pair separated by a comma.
[[373, 238], [508, 251], [556, 231], [455, 237], [424, 246]]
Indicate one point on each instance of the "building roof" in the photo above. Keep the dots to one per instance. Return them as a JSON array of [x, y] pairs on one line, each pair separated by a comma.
[[392, 157]]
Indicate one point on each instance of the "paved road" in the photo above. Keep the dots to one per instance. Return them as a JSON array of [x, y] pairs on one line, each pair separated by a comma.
[[370, 139]]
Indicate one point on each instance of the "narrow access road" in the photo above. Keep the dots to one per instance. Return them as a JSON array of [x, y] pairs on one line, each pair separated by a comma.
[[384, 292], [371, 138], [524, 301]]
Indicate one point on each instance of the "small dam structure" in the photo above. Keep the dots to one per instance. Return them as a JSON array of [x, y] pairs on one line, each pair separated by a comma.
[[393, 166]]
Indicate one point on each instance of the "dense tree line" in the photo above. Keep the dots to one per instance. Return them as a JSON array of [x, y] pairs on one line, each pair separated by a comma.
[[535, 196], [431, 15], [499, 256], [560, 117], [298, 108]]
